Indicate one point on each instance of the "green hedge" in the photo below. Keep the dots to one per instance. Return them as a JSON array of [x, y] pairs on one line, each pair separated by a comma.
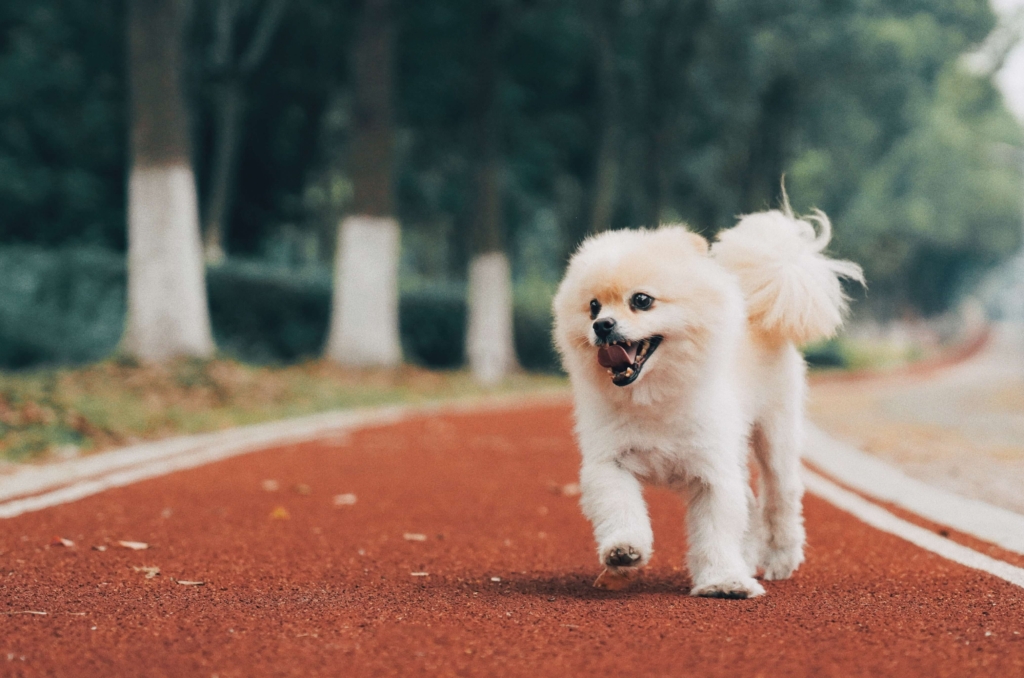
[[67, 307]]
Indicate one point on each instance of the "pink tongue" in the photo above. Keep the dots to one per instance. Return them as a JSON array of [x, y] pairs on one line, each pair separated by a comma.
[[615, 356]]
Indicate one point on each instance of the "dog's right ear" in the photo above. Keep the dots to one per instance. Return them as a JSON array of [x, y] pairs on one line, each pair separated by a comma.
[[698, 242]]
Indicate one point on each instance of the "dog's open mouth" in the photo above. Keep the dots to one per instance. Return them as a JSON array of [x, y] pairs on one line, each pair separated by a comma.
[[625, 359]]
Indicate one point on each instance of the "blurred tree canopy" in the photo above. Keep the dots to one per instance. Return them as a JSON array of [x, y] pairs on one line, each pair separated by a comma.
[[614, 113]]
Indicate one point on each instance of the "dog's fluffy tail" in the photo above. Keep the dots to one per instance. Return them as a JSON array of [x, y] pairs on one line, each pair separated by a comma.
[[793, 291]]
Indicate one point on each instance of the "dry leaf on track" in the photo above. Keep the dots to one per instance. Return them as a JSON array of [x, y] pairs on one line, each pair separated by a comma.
[[280, 513], [344, 499], [134, 546], [150, 570], [61, 541], [612, 581]]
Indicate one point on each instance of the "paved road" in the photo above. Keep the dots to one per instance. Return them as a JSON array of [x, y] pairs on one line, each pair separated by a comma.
[[295, 585], [960, 428]]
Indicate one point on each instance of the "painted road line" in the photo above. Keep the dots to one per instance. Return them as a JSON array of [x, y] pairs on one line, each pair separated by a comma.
[[884, 482], [880, 519]]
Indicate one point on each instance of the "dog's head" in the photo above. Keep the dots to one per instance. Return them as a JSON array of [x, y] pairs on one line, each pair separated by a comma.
[[634, 304]]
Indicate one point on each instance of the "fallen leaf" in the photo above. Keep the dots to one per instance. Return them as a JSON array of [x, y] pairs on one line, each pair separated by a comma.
[[61, 541], [134, 545], [185, 582], [150, 570], [344, 499], [571, 490], [303, 489], [612, 581], [271, 485], [412, 536], [280, 513]]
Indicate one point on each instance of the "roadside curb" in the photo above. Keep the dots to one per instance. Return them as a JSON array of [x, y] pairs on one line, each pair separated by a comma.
[[33, 488]]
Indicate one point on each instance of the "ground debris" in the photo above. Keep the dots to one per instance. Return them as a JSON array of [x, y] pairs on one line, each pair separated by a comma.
[[38, 613], [303, 489], [99, 547], [344, 499], [186, 582], [133, 545], [609, 580], [270, 485], [414, 536], [61, 541], [566, 490], [420, 574], [280, 513], [150, 571]]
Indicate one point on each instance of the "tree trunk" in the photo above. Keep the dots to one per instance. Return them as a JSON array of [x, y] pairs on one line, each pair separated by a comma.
[[675, 28], [364, 314], [490, 347], [167, 308], [233, 75], [606, 170], [769, 146], [225, 157]]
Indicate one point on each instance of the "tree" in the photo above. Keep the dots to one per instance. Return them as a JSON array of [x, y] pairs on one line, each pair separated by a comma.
[[364, 313], [603, 16], [489, 338], [167, 308], [232, 67]]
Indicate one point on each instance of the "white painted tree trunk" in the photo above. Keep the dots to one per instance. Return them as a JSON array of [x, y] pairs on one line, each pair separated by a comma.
[[489, 339], [167, 310], [364, 313]]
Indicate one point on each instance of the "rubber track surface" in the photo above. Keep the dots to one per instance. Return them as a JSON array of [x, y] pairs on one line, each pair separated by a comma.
[[328, 591]]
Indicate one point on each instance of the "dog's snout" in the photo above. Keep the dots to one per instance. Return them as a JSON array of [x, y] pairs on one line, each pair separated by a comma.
[[604, 327]]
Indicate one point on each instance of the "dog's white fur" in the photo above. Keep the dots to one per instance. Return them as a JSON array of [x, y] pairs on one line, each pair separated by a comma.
[[727, 378]]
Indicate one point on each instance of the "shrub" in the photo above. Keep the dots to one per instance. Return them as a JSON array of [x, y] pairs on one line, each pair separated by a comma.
[[68, 306]]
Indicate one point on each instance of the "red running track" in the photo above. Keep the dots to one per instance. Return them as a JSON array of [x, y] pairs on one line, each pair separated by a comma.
[[329, 590]]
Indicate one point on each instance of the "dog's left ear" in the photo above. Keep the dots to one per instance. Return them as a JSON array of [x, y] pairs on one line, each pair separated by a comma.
[[698, 242]]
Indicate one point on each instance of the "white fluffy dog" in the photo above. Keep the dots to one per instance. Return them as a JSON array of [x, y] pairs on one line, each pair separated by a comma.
[[682, 358]]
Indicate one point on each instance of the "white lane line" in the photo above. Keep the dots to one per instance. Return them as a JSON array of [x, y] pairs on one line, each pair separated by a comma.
[[880, 519], [884, 482], [33, 488]]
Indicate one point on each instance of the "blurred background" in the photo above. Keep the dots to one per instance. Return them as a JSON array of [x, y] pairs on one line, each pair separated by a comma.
[[499, 131]]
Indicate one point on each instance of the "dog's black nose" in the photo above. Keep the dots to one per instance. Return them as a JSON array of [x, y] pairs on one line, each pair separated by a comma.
[[604, 327]]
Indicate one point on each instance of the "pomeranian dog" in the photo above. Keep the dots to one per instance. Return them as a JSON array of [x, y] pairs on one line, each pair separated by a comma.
[[682, 357]]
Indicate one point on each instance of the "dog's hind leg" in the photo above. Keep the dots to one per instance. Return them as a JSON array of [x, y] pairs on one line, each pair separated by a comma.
[[612, 498], [780, 532]]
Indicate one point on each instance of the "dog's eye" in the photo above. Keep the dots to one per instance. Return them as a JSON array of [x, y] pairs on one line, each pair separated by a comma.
[[641, 301], [595, 308]]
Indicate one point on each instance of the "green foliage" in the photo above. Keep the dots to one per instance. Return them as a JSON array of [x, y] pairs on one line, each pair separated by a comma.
[[62, 122]]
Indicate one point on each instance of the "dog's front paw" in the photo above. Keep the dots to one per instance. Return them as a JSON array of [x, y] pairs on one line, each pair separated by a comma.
[[781, 563], [624, 555], [737, 588]]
